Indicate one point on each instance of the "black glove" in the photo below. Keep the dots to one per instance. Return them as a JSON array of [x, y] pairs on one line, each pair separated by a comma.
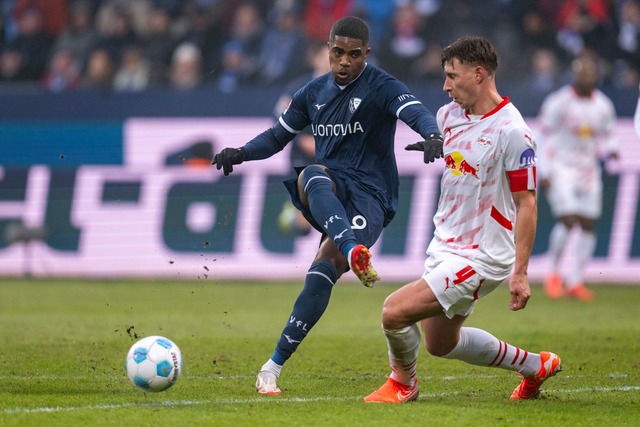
[[431, 146], [227, 158]]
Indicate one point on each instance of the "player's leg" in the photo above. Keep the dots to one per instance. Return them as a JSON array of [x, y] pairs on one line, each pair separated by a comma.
[[585, 248], [400, 313], [553, 283], [458, 287], [307, 310], [317, 190], [563, 202]]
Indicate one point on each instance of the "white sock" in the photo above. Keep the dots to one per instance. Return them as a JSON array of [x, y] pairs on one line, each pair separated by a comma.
[[557, 243], [479, 347], [272, 367], [585, 247], [403, 345]]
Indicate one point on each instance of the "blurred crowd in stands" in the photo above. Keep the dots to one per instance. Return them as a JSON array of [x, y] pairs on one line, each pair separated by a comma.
[[134, 45]]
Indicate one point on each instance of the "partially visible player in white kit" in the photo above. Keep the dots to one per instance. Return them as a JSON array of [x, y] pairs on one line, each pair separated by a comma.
[[636, 115], [577, 127], [484, 231]]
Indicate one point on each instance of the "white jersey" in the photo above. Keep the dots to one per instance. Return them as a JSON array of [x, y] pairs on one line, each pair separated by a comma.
[[487, 158], [573, 128]]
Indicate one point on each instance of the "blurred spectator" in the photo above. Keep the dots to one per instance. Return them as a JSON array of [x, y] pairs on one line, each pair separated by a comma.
[[116, 34], [205, 25], [9, 24], [32, 44], [400, 52], [378, 14], [241, 51], [54, 14], [628, 39], [137, 13], [159, 45], [186, 67], [99, 71], [79, 36], [132, 75], [282, 47], [584, 24], [10, 65], [319, 16], [64, 72], [545, 75]]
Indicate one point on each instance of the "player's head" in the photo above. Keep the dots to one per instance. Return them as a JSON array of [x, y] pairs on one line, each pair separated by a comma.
[[469, 66], [472, 50], [585, 74], [348, 48]]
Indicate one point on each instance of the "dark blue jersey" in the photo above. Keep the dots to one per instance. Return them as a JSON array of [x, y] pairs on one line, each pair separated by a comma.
[[354, 128]]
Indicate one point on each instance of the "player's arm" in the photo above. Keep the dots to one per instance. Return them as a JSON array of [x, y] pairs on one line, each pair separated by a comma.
[[269, 142], [420, 119], [406, 107], [261, 147], [525, 232], [520, 164]]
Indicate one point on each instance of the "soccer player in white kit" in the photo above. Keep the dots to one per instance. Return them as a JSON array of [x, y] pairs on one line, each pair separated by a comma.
[[484, 231], [577, 124], [636, 115]]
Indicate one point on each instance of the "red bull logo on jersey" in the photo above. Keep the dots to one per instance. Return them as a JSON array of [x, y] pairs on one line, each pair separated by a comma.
[[458, 166]]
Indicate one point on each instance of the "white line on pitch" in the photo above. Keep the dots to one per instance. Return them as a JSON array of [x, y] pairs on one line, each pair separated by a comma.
[[50, 409]]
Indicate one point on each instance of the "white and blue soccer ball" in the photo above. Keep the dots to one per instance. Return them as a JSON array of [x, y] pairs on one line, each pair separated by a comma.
[[154, 363]]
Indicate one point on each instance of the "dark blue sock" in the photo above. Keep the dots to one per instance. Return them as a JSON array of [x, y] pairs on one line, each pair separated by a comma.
[[327, 209], [307, 310]]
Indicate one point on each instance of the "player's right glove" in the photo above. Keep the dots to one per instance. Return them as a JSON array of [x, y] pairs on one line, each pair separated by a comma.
[[431, 146], [227, 158]]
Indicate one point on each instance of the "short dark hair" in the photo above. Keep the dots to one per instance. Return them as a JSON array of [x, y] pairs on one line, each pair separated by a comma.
[[473, 50], [352, 27]]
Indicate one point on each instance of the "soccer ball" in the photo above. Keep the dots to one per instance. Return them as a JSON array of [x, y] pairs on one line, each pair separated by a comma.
[[154, 363]]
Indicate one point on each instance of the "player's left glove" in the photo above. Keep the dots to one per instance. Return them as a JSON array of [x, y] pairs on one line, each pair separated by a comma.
[[227, 158], [431, 146]]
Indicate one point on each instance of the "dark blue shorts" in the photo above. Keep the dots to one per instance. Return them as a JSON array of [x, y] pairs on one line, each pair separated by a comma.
[[366, 215]]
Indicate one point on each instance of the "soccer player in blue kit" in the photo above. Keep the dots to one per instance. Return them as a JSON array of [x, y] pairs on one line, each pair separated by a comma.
[[351, 193]]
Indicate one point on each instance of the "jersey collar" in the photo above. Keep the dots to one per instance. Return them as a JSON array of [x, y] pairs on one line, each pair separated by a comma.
[[505, 101]]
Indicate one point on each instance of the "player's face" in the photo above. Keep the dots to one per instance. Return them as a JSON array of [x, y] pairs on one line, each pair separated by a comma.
[[347, 58], [585, 75], [460, 83]]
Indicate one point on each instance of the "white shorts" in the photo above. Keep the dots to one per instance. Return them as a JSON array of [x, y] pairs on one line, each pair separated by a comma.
[[458, 283], [573, 193]]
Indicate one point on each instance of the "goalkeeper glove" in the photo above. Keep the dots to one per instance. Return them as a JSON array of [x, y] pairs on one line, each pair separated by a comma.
[[227, 158], [431, 146]]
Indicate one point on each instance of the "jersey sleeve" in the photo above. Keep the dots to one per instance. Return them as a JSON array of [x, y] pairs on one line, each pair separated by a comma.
[[296, 116], [520, 159], [401, 103]]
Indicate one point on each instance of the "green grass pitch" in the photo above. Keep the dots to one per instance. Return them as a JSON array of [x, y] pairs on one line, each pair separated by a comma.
[[63, 344]]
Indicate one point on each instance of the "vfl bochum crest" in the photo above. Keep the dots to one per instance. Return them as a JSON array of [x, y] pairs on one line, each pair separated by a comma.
[[353, 104]]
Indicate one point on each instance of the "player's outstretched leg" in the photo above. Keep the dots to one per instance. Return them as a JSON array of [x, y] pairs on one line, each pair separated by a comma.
[[479, 347], [529, 388], [360, 262], [307, 310]]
